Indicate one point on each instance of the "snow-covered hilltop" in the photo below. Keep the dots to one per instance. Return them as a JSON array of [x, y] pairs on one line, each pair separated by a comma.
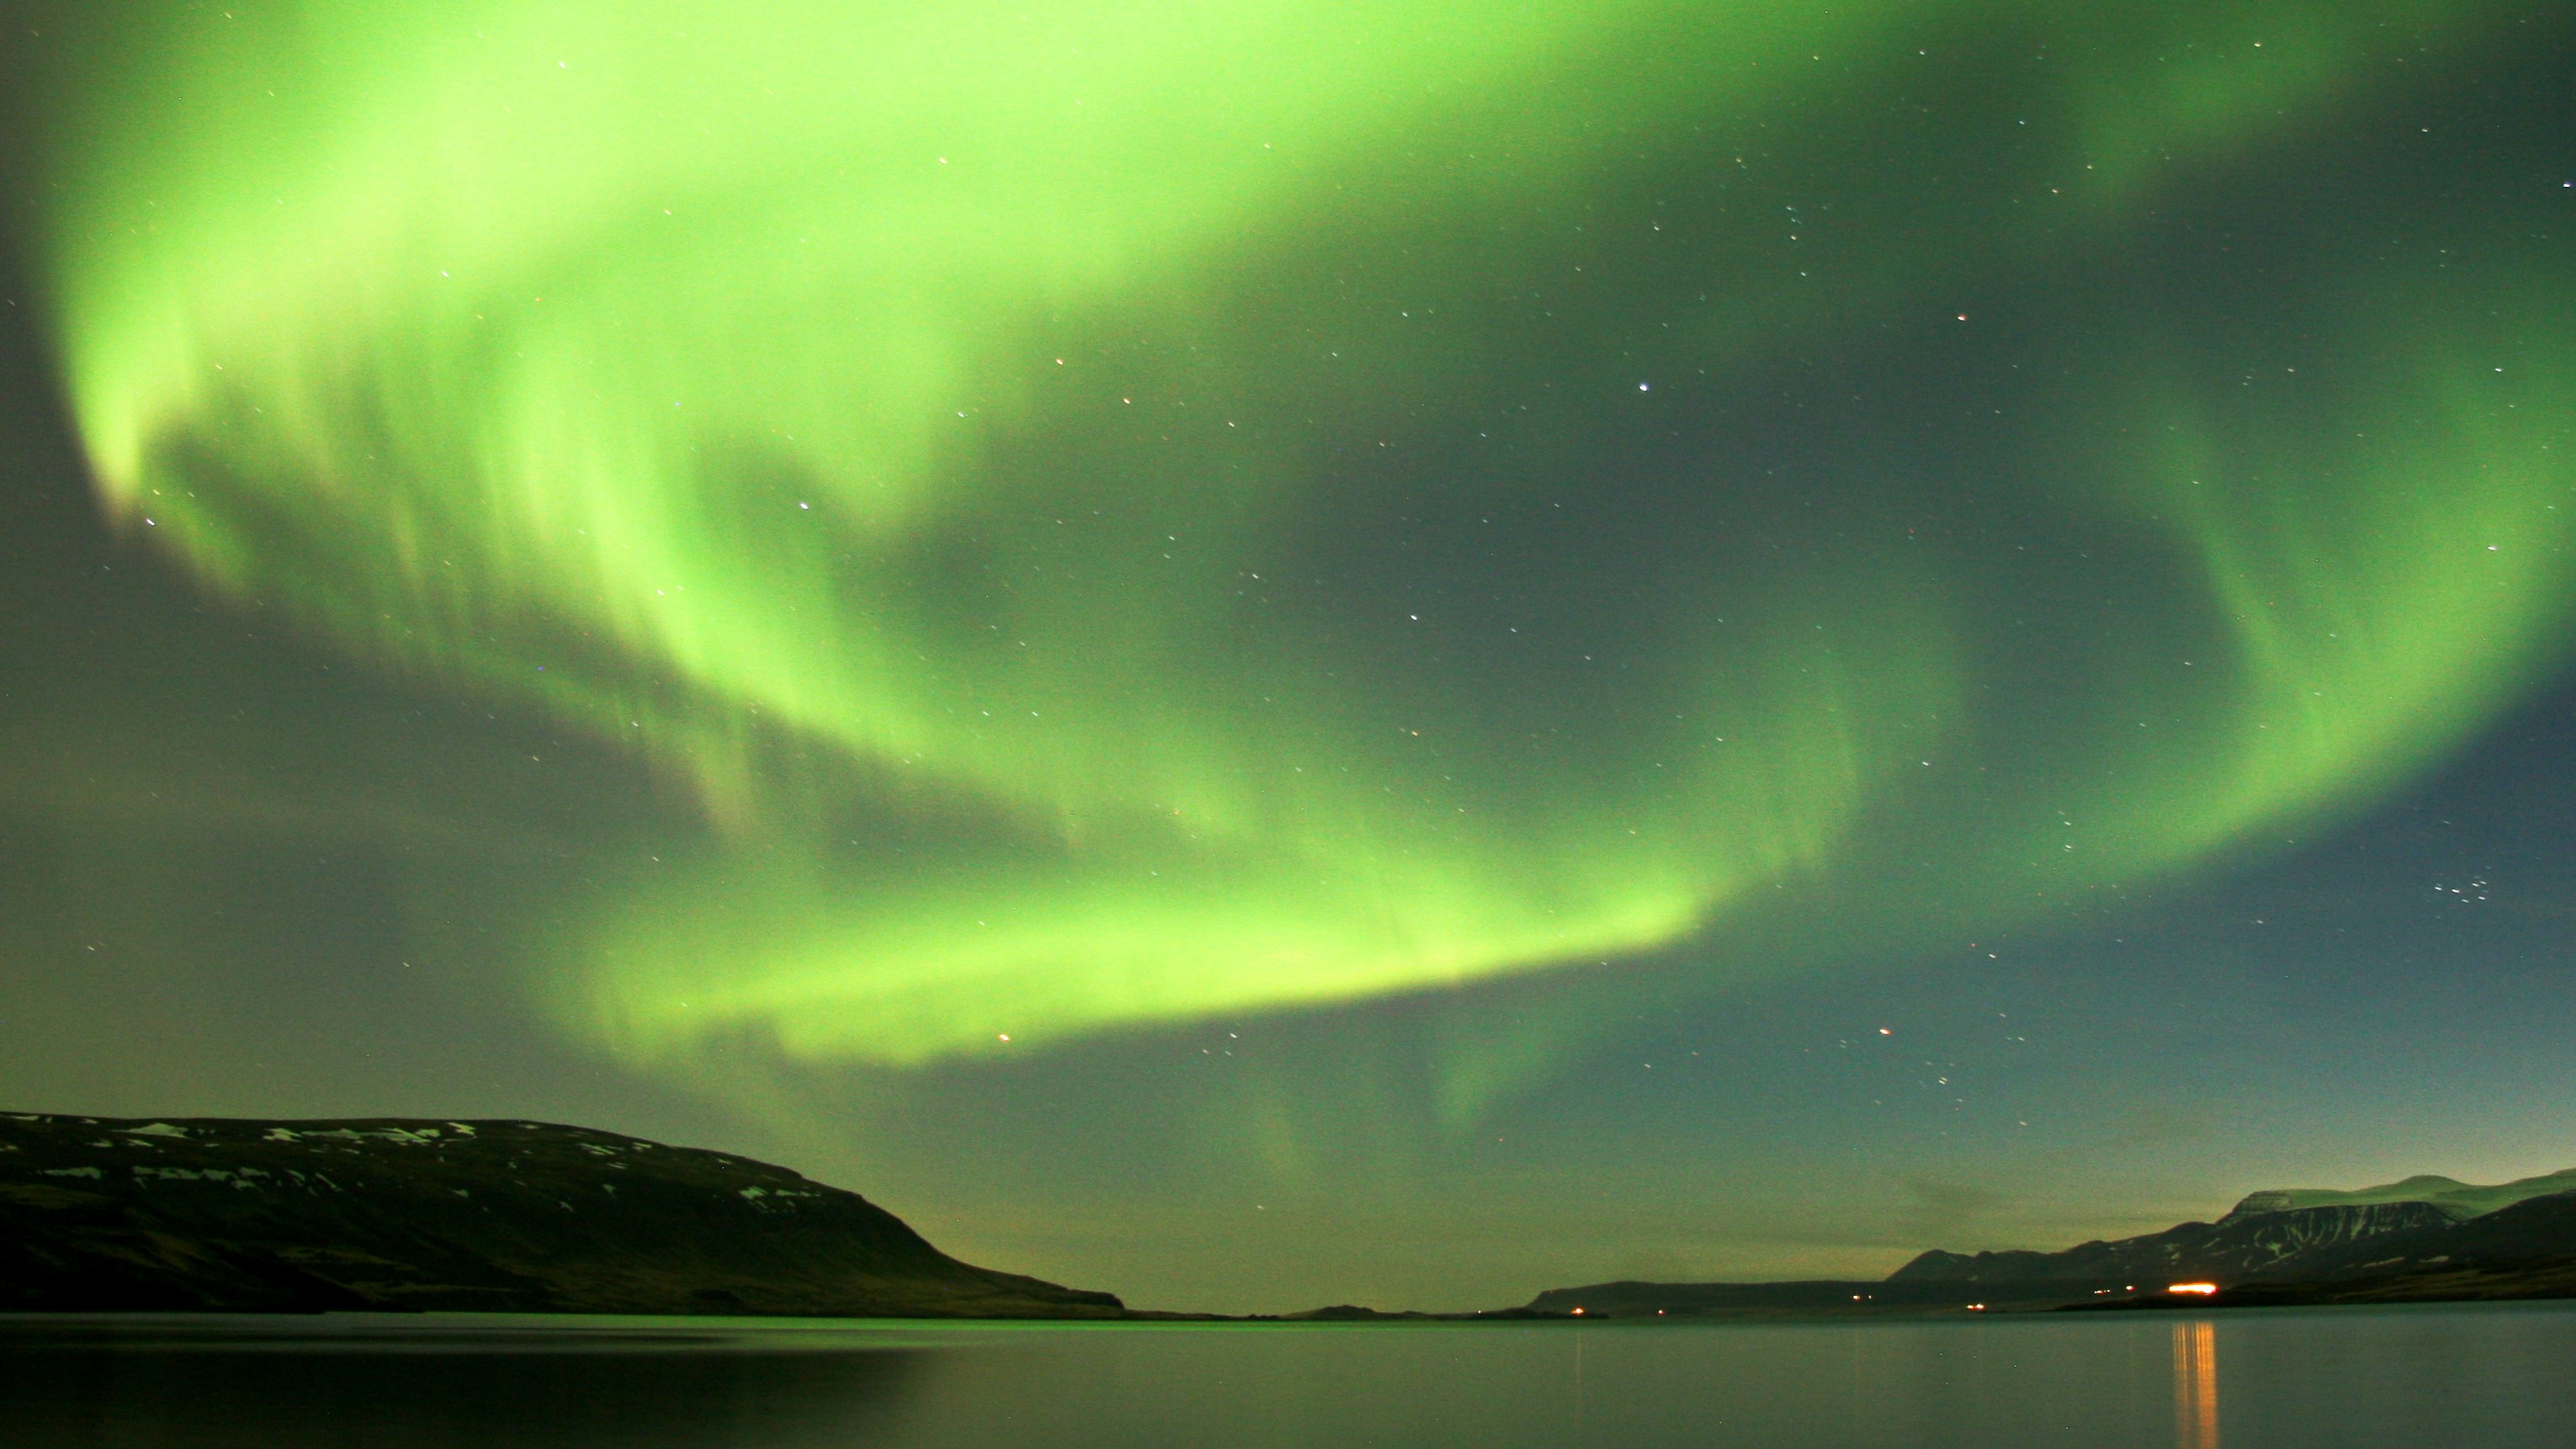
[[2426, 1238], [2458, 1199], [226, 1214]]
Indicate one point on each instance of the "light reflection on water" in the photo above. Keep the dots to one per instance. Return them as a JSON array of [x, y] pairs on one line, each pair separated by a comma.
[[2195, 1371], [2347, 1378]]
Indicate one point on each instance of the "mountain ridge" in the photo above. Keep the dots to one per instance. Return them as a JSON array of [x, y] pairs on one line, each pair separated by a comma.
[[2239, 1247], [2462, 1199], [386, 1213], [2421, 1238], [291, 1215], [2266, 1234]]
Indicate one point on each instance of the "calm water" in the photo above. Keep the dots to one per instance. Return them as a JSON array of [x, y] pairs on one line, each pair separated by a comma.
[[2465, 1376]]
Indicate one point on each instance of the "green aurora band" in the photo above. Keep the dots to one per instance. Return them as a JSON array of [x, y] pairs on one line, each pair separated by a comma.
[[1125, 513]]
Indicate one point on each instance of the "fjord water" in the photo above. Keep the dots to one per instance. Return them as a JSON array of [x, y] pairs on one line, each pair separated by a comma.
[[2441, 1375]]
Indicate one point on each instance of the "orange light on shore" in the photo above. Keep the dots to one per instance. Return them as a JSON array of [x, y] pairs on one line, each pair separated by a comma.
[[2204, 1289]]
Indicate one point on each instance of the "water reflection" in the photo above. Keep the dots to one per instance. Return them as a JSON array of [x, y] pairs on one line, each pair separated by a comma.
[[2494, 1376], [2195, 1385], [256, 1384]]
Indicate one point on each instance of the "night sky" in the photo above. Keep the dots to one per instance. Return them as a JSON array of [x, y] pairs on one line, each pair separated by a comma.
[[1259, 655]]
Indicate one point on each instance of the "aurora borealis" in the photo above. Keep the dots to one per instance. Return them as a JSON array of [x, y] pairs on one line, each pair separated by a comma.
[[925, 556]]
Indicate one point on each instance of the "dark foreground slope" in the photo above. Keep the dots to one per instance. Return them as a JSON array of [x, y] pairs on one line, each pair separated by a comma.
[[214, 1213]]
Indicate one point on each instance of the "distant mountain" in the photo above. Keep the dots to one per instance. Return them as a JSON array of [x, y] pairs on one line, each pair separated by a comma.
[[2533, 1230], [2424, 1238], [2277, 1234], [2524, 1250], [2458, 1198], [1635, 1299], [383, 1213], [2242, 1246]]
